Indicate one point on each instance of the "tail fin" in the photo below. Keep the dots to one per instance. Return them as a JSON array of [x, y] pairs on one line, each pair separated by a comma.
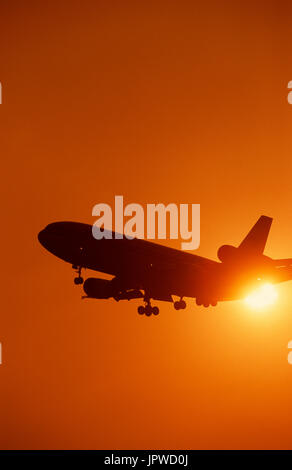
[[256, 239]]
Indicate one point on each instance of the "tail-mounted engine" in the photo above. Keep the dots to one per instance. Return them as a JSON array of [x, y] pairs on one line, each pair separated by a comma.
[[227, 253]]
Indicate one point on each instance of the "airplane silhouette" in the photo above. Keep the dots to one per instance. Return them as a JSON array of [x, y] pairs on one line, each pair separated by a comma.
[[146, 270]]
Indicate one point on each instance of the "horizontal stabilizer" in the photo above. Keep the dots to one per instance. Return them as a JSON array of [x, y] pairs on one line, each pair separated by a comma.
[[282, 263], [255, 241]]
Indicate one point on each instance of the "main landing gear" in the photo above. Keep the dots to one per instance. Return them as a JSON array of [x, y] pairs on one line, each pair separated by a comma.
[[148, 309], [78, 279], [206, 303], [180, 304]]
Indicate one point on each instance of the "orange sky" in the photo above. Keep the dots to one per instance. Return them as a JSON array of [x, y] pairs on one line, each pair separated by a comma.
[[160, 101]]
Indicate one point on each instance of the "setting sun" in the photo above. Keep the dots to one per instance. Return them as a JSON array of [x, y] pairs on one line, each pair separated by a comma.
[[262, 297]]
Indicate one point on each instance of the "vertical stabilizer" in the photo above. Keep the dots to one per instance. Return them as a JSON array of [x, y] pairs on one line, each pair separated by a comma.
[[256, 239]]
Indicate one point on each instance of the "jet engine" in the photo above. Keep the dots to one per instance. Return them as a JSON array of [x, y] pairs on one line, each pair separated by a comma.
[[227, 253], [98, 288]]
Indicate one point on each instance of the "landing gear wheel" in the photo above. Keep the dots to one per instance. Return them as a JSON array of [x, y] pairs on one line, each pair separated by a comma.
[[141, 310], [78, 280], [155, 310], [179, 305], [148, 310]]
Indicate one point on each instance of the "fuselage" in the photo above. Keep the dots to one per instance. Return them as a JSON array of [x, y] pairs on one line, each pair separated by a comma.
[[161, 270], [135, 261]]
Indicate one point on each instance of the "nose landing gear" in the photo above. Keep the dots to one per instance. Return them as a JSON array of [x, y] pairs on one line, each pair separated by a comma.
[[78, 279]]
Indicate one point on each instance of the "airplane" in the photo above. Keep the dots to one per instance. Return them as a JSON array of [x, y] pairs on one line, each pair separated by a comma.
[[145, 270]]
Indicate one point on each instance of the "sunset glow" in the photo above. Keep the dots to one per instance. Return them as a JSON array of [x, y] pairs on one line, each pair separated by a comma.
[[262, 297]]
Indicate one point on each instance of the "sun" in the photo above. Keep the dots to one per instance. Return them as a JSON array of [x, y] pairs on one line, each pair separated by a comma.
[[262, 297]]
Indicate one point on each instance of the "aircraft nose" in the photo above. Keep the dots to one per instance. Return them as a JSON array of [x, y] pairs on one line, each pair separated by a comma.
[[45, 239], [42, 237], [51, 232], [50, 237]]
